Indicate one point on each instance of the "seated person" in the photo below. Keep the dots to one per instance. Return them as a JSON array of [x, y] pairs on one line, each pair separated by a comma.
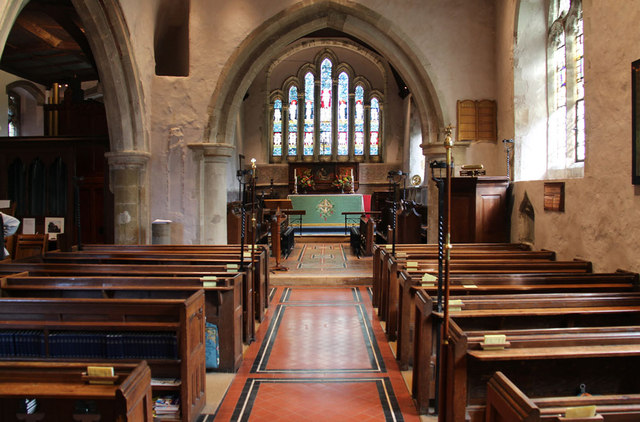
[[9, 227]]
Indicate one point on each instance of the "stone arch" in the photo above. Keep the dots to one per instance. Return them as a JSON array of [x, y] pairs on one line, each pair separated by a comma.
[[271, 38], [29, 87], [109, 38]]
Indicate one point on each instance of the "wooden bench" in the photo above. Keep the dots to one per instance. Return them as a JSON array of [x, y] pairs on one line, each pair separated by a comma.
[[223, 302], [390, 285], [411, 282], [432, 248], [57, 386], [217, 264], [502, 313], [179, 320], [507, 403], [260, 256]]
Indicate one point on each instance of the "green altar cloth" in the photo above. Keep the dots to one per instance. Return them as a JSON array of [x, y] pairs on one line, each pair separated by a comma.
[[327, 209]]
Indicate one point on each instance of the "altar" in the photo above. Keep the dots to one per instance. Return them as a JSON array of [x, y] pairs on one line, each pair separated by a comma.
[[324, 210]]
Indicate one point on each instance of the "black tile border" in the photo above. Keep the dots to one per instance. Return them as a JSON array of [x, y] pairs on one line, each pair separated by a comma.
[[251, 388]]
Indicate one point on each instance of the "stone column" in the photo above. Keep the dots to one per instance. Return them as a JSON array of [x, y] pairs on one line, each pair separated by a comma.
[[212, 191], [129, 181]]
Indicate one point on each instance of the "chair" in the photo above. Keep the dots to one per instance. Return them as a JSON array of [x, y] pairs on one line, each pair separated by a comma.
[[29, 245]]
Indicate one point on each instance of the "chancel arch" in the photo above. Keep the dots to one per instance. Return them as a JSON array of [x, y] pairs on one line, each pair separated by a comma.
[[272, 38]]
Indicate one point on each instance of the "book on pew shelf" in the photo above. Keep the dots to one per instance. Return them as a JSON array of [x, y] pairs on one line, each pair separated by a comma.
[[412, 264], [401, 254], [166, 407], [580, 412], [469, 286], [209, 281], [169, 382], [100, 374], [429, 277], [428, 285], [247, 254], [455, 305], [494, 342]]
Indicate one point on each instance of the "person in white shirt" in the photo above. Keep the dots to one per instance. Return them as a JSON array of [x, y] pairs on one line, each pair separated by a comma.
[[9, 227]]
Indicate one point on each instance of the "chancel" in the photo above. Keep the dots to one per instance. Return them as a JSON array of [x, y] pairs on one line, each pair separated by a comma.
[[350, 197]]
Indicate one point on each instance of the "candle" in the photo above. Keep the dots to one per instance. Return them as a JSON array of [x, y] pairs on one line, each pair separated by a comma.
[[295, 179], [352, 175]]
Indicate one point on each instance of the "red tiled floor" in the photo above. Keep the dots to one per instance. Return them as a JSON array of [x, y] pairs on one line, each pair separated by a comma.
[[317, 354]]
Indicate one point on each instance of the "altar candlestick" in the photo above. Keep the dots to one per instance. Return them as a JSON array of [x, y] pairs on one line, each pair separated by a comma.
[[351, 175]]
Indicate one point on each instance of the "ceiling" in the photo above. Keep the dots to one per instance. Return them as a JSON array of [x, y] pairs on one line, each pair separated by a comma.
[[47, 44]]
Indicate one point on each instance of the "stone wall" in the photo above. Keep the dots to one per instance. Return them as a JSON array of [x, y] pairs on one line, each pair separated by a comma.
[[602, 210]]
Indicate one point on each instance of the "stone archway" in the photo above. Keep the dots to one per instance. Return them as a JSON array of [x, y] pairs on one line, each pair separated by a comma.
[[269, 39], [109, 39]]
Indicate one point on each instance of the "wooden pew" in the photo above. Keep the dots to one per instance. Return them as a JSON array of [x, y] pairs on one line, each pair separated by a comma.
[[181, 319], [67, 269], [162, 260], [507, 403], [411, 282], [57, 386], [260, 261], [433, 248], [223, 302], [510, 312], [504, 264]]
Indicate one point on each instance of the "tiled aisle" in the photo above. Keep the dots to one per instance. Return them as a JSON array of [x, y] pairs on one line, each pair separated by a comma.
[[320, 356]]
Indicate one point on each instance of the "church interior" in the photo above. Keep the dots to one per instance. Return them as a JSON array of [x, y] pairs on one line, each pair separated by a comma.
[[319, 209]]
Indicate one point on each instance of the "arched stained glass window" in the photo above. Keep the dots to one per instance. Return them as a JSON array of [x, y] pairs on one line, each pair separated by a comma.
[[326, 116], [358, 127], [343, 114], [374, 127], [293, 121], [309, 89], [325, 107], [277, 128]]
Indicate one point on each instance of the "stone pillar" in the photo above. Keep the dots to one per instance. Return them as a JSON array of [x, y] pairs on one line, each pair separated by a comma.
[[212, 191], [129, 181]]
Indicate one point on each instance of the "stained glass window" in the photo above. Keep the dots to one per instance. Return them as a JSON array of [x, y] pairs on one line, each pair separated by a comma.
[[343, 114], [374, 127], [309, 88], [277, 128], [579, 60], [323, 121], [293, 121], [358, 127], [325, 107]]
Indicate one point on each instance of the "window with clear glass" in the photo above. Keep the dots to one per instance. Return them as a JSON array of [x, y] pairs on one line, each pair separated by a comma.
[[14, 115], [565, 61]]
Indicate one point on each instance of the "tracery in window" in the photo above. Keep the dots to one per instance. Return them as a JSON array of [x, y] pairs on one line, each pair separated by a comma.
[[331, 113], [292, 146], [343, 114], [277, 128], [309, 90], [325, 107], [14, 115]]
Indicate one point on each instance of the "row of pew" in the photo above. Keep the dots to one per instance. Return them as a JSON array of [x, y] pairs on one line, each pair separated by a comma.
[[557, 324], [107, 293]]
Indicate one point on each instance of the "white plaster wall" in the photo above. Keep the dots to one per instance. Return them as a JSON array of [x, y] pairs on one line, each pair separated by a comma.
[[600, 222], [30, 124], [453, 40]]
